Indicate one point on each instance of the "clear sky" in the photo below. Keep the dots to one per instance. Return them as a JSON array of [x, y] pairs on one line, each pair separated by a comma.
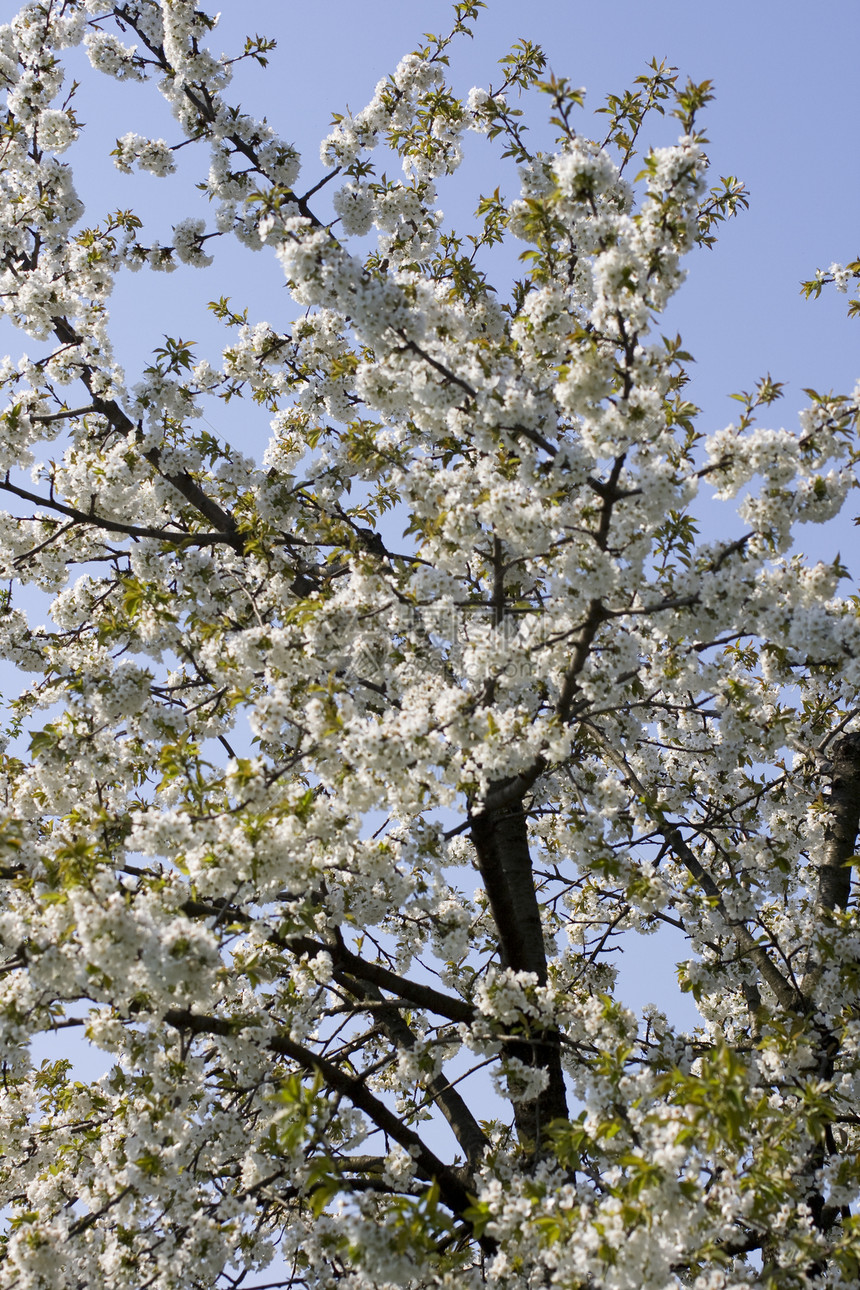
[[785, 120]]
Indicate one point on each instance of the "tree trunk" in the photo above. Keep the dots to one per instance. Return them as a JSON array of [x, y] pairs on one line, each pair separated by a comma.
[[501, 841]]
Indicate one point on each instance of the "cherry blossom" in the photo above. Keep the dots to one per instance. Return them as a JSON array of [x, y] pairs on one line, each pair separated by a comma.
[[336, 778]]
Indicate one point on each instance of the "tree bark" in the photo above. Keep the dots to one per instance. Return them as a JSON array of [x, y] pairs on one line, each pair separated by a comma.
[[840, 840], [500, 837]]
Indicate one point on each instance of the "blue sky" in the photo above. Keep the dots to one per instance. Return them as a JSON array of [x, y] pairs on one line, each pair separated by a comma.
[[784, 119]]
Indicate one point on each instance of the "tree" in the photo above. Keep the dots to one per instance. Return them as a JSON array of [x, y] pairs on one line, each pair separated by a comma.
[[271, 746]]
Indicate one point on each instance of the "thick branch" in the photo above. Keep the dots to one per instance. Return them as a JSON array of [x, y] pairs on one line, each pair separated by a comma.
[[116, 526], [840, 840], [362, 980], [182, 481], [596, 616], [200, 500], [451, 1189], [787, 993], [501, 842], [345, 961], [463, 1124], [834, 873]]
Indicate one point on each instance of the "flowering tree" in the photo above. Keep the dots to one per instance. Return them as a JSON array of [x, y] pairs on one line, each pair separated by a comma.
[[306, 822]]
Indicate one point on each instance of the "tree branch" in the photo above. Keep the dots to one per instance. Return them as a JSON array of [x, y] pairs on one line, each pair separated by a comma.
[[840, 839], [347, 964], [452, 1190], [500, 838], [463, 1124], [788, 994], [117, 526]]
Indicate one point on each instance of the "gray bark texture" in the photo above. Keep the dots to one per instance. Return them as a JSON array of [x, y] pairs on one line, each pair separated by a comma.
[[500, 837]]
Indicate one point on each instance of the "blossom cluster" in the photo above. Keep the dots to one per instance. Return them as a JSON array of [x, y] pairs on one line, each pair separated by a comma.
[[337, 781]]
